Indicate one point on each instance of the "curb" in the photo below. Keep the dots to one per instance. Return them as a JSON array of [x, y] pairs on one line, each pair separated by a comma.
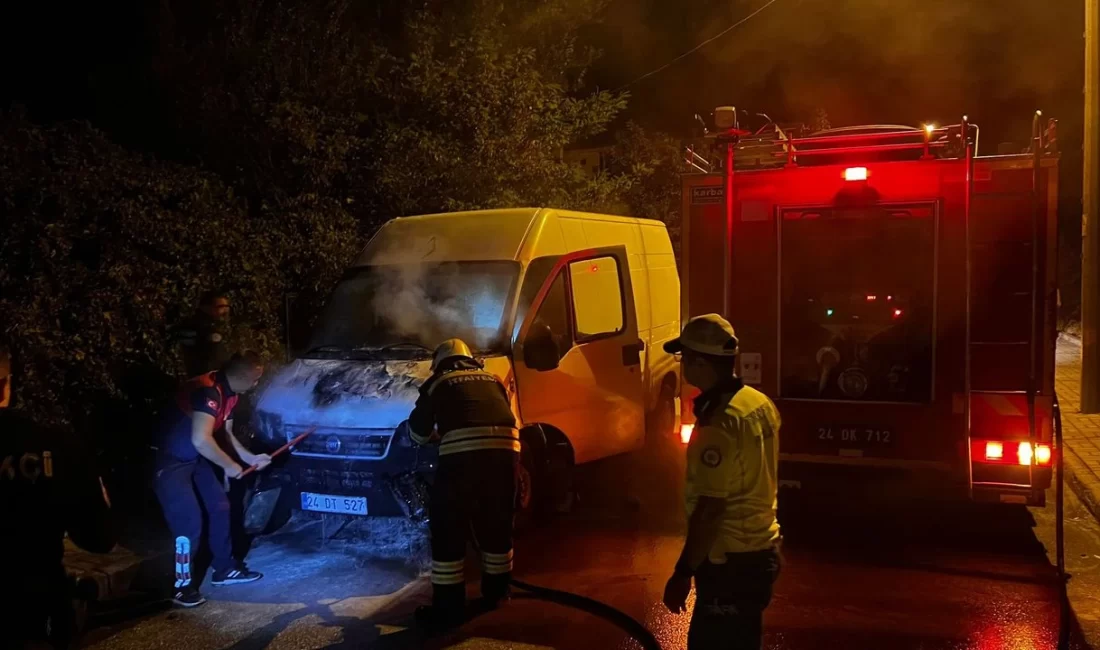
[[115, 574], [1078, 478]]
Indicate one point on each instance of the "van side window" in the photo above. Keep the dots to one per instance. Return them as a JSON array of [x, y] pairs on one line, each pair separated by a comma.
[[554, 313], [597, 297]]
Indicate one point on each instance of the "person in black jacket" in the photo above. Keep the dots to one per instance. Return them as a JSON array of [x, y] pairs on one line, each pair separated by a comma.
[[467, 412], [48, 487], [204, 338]]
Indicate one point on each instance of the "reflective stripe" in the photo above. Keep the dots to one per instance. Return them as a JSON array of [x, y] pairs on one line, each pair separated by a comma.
[[480, 432], [506, 444], [461, 373], [448, 578], [448, 573], [474, 438], [1001, 405], [183, 562], [496, 563]]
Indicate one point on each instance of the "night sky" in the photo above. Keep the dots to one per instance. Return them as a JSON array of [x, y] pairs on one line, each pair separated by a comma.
[[862, 61]]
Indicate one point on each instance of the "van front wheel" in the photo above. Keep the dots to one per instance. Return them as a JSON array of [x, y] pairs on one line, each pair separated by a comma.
[[526, 495]]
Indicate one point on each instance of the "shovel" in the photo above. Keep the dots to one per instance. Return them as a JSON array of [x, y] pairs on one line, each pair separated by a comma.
[[260, 504]]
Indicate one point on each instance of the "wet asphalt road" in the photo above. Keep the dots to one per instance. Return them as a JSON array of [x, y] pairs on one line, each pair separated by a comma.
[[908, 577]]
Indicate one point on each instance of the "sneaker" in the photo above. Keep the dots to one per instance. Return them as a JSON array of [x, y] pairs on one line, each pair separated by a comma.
[[237, 576], [188, 597]]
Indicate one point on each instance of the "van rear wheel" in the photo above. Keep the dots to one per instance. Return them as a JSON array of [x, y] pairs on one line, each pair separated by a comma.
[[662, 420]]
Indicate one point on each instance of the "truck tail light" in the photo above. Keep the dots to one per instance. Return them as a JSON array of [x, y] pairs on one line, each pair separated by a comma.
[[1010, 452], [685, 432], [1042, 454]]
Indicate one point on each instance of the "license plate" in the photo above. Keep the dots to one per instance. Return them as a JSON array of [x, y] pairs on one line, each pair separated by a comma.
[[849, 436], [334, 503]]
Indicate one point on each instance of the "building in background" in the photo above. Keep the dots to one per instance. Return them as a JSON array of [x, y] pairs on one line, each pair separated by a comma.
[[592, 159]]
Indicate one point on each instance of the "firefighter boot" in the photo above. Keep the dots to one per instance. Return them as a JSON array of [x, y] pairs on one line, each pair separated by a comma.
[[495, 590], [437, 620], [448, 608]]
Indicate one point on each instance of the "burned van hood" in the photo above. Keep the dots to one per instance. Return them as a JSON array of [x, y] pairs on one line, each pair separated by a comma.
[[342, 393]]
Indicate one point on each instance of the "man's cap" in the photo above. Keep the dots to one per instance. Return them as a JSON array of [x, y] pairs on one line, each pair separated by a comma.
[[707, 334]]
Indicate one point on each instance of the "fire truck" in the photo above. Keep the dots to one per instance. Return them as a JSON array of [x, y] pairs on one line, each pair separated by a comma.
[[894, 293]]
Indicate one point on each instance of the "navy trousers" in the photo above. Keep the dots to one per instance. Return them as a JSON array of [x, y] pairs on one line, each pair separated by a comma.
[[187, 490], [730, 600]]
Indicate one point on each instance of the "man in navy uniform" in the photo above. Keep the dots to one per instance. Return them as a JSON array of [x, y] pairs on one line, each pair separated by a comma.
[[185, 481]]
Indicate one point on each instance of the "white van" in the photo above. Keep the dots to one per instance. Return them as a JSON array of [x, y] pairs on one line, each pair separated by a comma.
[[569, 309]]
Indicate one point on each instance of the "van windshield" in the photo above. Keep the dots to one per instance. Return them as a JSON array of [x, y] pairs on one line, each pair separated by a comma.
[[402, 311]]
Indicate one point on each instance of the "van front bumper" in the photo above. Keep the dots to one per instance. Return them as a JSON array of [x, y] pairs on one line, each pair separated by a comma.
[[380, 482]]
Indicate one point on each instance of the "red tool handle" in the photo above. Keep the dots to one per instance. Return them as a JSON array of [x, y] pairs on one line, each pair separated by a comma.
[[280, 450]]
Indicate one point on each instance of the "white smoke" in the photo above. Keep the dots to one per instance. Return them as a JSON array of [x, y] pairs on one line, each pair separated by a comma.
[[428, 302]]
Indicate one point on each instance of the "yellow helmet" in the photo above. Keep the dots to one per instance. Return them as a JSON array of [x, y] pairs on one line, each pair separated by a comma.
[[450, 349]]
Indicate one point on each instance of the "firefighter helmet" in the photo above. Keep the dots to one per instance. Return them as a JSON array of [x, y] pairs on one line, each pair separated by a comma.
[[450, 349]]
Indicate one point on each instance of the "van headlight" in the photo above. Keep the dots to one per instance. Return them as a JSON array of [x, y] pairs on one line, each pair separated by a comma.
[[270, 427]]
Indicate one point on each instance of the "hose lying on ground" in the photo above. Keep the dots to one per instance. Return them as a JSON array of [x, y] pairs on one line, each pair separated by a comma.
[[623, 621], [636, 630]]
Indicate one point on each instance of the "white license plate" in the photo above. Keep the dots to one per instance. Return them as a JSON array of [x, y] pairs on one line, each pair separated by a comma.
[[334, 503]]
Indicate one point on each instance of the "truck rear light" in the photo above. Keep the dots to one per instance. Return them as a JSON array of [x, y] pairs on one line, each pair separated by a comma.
[[1042, 454], [1009, 452], [855, 174], [685, 432]]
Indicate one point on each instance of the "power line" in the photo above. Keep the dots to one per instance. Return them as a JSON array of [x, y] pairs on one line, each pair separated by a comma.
[[699, 46]]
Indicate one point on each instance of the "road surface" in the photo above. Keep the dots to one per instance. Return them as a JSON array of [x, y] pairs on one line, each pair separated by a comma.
[[901, 577]]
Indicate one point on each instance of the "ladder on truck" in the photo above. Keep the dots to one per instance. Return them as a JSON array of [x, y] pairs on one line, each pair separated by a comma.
[[1006, 397]]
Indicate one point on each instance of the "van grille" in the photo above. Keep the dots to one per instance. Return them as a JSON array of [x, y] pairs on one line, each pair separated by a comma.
[[342, 443]]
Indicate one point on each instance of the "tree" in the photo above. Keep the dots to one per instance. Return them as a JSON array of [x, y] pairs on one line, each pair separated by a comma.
[[443, 106], [650, 165], [295, 128], [820, 120]]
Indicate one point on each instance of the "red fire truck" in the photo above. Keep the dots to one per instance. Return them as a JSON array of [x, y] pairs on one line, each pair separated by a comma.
[[894, 293]]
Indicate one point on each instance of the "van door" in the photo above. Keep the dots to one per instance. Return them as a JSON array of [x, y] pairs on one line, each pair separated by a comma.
[[595, 394]]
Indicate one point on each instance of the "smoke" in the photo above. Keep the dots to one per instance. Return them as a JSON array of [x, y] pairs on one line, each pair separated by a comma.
[[343, 394], [862, 61], [428, 302]]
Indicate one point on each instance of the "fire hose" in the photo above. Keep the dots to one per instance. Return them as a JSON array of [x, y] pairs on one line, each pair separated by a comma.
[[634, 628], [412, 495]]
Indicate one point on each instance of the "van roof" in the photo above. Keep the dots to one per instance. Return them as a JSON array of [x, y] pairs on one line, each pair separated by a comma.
[[463, 236]]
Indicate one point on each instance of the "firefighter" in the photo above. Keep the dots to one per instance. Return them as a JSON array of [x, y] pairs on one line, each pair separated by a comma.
[[205, 336], [731, 550], [186, 483], [48, 487], [467, 412]]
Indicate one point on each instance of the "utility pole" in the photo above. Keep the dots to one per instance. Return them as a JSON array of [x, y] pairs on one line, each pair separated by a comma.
[[1090, 226]]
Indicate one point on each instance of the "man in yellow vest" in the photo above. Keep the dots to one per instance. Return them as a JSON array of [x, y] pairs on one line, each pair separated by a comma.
[[731, 550]]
